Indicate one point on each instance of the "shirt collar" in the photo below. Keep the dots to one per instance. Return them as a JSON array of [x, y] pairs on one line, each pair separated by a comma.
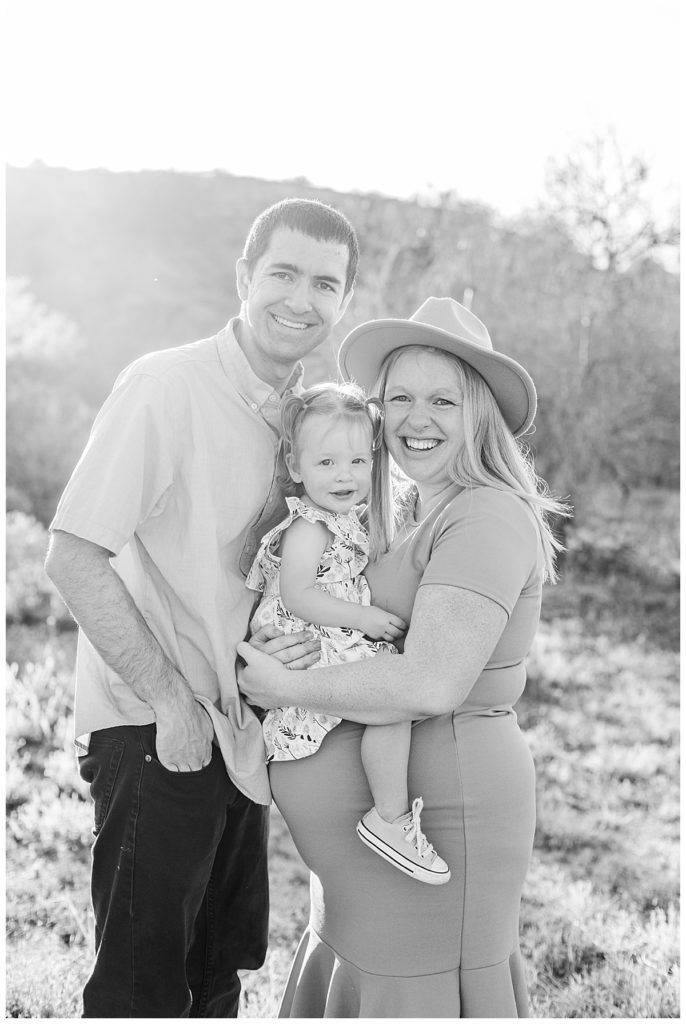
[[257, 393]]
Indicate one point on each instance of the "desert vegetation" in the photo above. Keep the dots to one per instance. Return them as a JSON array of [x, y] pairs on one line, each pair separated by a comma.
[[600, 918]]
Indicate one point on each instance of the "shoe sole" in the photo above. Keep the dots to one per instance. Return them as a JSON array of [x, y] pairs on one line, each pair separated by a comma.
[[400, 862]]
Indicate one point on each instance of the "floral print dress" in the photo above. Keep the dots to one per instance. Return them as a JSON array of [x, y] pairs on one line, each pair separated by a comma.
[[292, 733]]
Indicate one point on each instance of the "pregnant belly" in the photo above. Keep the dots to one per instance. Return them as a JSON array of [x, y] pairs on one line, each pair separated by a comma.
[[476, 779]]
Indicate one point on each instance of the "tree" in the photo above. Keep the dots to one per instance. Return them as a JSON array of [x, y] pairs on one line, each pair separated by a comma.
[[600, 194], [47, 421]]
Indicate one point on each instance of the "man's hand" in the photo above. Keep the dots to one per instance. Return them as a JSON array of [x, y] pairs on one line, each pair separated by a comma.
[[382, 625], [295, 650], [264, 681], [184, 736]]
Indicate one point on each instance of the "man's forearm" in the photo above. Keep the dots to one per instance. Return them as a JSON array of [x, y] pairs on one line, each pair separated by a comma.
[[104, 609]]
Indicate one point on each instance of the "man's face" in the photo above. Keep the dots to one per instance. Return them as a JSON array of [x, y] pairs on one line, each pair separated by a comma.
[[291, 301]]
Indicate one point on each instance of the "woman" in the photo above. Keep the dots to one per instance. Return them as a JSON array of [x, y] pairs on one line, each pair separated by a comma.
[[466, 563]]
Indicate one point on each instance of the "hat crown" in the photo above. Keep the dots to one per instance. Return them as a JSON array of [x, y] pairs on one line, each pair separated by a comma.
[[450, 316]]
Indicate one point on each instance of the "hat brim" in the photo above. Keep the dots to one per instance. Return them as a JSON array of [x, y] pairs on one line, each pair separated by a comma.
[[363, 351]]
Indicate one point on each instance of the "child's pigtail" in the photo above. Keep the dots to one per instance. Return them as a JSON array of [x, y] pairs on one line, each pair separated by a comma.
[[293, 409]]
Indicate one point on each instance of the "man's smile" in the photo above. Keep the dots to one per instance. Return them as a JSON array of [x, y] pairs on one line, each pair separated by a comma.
[[293, 324]]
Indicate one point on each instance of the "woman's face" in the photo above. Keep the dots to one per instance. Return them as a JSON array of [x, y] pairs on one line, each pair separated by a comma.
[[424, 426]]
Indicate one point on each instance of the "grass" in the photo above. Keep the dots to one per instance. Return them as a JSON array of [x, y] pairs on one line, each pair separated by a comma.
[[600, 924], [600, 917]]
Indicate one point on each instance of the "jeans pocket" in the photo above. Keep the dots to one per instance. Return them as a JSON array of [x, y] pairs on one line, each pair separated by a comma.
[[99, 769], [148, 740], [205, 770]]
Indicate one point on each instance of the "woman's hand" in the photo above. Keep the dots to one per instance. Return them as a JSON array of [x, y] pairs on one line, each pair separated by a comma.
[[264, 679]]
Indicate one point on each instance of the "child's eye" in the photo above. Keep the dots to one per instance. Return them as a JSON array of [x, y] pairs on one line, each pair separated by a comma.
[[398, 398], [361, 460], [326, 462]]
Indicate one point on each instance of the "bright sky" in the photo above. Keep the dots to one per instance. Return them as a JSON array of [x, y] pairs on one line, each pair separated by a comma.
[[397, 96]]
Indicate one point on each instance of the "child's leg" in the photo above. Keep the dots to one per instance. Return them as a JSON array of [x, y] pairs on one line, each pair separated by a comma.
[[385, 756], [390, 829]]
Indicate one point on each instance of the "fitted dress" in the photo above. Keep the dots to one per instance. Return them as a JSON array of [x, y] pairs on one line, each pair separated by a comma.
[[291, 733], [379, 943]]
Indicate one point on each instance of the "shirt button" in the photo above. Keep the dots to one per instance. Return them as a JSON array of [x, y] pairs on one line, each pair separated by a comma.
[[253, 405], [272, 398], [148, 758]]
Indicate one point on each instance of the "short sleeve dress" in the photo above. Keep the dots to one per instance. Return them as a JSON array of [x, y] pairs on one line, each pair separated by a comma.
[[292, 733], [379, 943]]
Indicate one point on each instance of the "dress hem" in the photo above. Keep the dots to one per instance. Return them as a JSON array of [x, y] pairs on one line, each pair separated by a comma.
[[322, 984]]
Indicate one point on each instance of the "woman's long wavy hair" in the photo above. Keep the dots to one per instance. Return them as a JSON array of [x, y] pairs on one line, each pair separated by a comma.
[[490, 457], [345, 401]]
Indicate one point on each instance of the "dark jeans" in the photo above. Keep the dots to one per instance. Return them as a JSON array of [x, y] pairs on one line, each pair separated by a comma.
[[179, 882]]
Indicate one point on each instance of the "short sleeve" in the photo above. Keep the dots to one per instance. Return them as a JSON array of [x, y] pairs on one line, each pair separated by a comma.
[[346, 527], [126, 468], [486, 541]]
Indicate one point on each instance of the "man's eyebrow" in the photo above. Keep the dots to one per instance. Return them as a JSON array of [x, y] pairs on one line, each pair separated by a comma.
[[286, 266], [294, 269]]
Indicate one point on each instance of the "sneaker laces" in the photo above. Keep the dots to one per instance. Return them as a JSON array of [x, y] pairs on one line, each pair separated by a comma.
[[413, 829]]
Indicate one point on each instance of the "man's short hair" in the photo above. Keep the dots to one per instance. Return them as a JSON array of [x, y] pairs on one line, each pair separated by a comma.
[[309, 217]]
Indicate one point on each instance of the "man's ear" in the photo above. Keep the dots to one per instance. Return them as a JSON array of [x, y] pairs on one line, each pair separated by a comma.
[[293, 468], [344, 304], [242, 278]]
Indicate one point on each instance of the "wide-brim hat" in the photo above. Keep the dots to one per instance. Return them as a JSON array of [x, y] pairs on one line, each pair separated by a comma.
[[446, 325]]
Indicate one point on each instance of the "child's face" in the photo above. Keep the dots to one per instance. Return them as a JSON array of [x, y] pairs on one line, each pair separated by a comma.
[[333, 461]]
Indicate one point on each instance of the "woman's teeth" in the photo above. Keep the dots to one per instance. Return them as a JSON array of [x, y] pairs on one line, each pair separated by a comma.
[[416, 444]]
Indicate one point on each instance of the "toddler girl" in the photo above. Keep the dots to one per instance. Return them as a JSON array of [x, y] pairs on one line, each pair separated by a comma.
[[309, 571]]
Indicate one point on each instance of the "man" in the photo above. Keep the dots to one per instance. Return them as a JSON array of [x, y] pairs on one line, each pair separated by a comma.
[[145, 551]]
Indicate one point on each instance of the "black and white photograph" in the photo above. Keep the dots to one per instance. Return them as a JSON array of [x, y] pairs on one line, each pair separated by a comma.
[[342, 509]]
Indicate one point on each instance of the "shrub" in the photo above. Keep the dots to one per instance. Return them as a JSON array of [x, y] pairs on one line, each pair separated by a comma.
[[594, 555], [30, 595]]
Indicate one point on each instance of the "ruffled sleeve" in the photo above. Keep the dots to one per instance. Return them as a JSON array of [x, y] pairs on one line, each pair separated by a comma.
[[256, 578], [347, 527], [346, 557]]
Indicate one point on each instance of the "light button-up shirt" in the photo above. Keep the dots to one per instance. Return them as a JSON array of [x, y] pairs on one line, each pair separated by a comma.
[[177, 470]]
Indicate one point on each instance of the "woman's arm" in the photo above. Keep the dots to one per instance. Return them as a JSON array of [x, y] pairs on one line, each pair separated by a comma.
[[452, 634], [301, 551]]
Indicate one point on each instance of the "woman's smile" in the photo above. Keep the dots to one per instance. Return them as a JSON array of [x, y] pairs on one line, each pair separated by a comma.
[[421, 444]]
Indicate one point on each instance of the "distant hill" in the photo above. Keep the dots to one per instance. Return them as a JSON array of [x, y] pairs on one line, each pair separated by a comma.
[[143, 260]]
